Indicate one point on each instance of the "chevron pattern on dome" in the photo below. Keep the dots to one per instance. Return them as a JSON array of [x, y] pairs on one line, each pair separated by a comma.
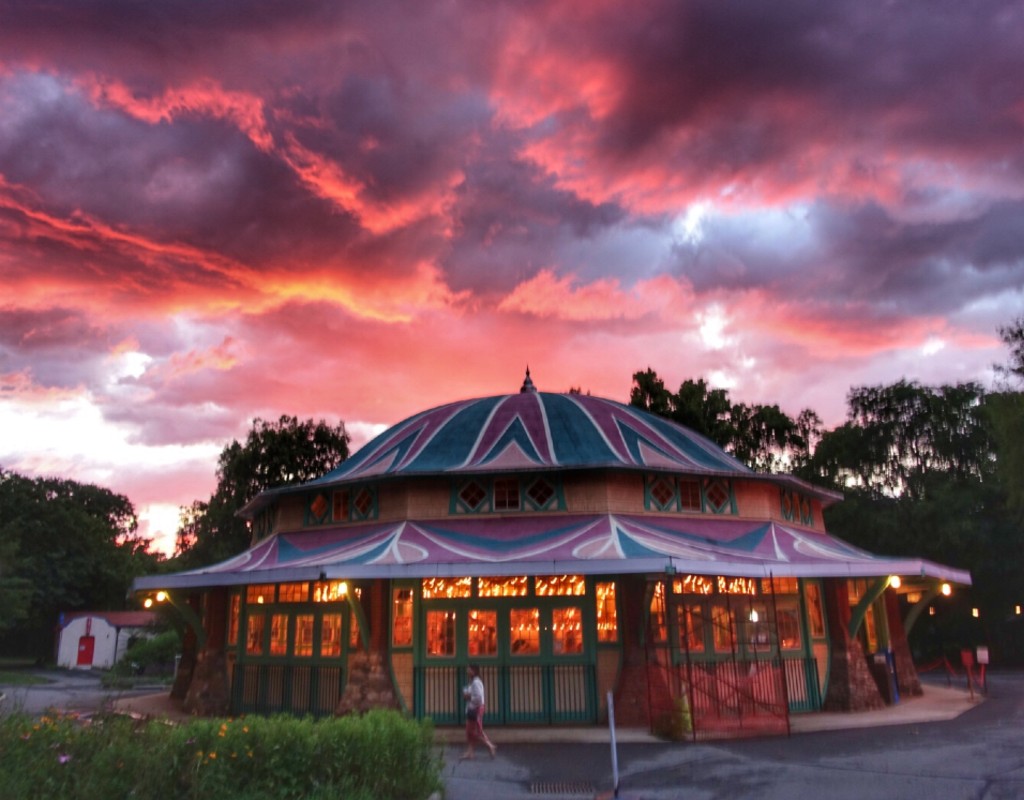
[[533, 430]]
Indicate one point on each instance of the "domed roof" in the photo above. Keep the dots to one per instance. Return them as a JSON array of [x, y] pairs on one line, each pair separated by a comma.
[[534, 430]]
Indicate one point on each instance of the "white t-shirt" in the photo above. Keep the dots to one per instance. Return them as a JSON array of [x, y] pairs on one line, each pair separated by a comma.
[[475, 692]]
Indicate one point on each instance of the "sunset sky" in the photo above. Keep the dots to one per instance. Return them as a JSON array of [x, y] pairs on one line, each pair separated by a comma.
[[214, 211]]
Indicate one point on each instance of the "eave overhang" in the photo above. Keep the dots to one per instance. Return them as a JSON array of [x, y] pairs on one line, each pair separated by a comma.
[[603, 544]]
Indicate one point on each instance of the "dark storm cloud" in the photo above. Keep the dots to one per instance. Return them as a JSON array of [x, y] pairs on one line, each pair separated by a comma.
[[511, 220], [837, 254], [753, 81]]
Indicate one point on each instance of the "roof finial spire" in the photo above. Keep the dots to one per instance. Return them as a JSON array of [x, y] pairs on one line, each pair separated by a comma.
[[527, 383]]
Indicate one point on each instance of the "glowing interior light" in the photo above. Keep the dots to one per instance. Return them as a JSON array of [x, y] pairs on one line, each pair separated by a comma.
[[1017, 609], [753, 615], [975, 613], [895, 581]]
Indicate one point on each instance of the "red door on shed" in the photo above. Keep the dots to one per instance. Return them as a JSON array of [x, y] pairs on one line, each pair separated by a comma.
[[86, 645]]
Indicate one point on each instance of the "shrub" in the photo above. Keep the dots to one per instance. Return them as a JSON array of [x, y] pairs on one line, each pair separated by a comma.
[[150, 654], [381, 755]]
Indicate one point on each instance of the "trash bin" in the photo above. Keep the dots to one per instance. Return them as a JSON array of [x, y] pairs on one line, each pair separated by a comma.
[[890, 660], [883, 670]]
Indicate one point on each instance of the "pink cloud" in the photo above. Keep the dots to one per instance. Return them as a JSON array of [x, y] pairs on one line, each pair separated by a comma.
[[547, 295]]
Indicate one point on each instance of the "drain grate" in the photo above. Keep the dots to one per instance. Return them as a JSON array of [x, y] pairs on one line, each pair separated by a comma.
[[562, 787]]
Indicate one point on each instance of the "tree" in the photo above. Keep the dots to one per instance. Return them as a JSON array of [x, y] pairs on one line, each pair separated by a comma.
[[650, 394], [898, 436], [1013, 337], [763, 437], [274, 454], [64, 546], [1006, 411]]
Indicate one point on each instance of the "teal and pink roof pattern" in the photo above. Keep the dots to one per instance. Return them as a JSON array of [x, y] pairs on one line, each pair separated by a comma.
[[553, 544], [534, 431]]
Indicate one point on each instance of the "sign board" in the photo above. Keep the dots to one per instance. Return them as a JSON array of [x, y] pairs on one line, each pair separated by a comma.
[[982, 655]]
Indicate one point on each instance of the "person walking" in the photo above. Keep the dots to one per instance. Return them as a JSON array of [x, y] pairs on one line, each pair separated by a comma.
[[476, 702]]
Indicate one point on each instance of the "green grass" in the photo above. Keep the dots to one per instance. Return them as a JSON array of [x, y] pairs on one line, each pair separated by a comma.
[[10, 677]]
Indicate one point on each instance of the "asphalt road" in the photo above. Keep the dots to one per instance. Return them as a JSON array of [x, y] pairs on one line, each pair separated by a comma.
[[978, 756], [66, 690]]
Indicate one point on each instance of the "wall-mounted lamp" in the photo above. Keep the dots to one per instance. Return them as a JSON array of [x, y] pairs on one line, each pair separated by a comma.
[[159, 597], [947, 590], [895, 581]]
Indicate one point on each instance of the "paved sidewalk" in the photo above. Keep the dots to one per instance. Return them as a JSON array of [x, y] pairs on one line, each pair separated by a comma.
[[937, 704]]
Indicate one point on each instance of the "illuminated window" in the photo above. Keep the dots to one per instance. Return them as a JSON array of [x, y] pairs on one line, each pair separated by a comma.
[[506, 494], [330, 636], [278, 634], [567, 631], [607, 613], [815, 615], [260, 593], [871, 631], [254, 634], [730, 585], [401, 621], [723, 628], [503, 587], [789, 627], [304, 635], [524, 631], [780, 585], [759, 632], [293, 593], [441, 634], [560, 585], [329, 591], [483, 633], [233, 615], [693, 584], [659, 631], [692, 628], [446, 588]]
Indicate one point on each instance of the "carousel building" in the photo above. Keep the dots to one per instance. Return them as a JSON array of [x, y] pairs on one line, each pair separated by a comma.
[[577, 549]]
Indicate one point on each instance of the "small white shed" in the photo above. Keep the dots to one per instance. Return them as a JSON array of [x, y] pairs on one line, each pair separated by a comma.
[[99, 638]]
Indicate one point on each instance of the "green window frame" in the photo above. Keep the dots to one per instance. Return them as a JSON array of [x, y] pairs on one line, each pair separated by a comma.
[[506, 494], [356, 503]]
